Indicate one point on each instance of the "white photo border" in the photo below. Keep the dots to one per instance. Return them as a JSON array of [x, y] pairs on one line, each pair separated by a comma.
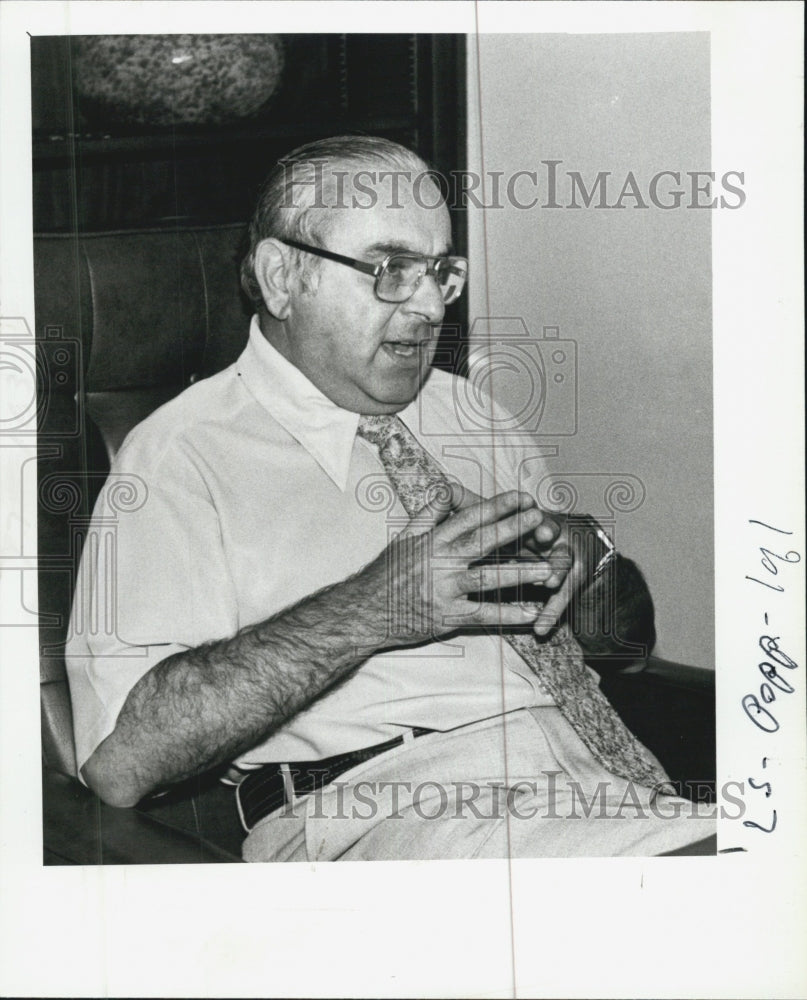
[[732, 925]]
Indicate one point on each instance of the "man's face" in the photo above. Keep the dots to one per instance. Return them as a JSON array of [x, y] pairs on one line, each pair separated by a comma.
[[366, 355]]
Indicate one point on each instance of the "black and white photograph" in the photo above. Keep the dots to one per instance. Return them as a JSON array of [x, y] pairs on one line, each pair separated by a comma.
[[402, 447]]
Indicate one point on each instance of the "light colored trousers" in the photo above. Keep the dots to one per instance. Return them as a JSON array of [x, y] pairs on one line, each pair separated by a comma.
[[520, 785]]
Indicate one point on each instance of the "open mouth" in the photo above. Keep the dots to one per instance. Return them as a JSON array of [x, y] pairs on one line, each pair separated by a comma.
[[405, 348]]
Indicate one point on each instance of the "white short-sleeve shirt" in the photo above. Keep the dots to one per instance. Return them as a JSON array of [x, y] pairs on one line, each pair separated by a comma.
[[248, 492]]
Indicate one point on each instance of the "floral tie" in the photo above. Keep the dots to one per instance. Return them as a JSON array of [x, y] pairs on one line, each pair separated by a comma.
[[558, 660]]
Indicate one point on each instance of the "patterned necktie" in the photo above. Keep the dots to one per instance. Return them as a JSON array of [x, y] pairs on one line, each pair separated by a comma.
[[557, 661]]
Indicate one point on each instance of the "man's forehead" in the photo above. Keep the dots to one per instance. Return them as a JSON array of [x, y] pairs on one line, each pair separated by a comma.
[[372, 203], [385, 227]]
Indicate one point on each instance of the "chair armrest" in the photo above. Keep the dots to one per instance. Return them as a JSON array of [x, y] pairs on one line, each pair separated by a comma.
[[680, 675], [79, 829], [671, 708]]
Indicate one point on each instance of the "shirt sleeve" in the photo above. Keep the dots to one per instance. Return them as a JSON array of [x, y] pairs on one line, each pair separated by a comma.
[[152, 559]]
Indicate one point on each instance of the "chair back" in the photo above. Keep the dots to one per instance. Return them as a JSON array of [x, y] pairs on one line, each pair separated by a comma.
[[124, 322]]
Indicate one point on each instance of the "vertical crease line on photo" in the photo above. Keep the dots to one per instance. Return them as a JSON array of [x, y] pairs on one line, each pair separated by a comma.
[[206, 297], [86, 335], [502, 667]]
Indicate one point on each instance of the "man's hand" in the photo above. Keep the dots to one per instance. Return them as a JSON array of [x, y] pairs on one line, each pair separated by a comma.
[[419, 585], [565, 551], [547, 553], [610, 616]]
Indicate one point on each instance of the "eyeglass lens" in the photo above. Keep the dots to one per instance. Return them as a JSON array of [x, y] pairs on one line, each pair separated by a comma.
[[402, 275]]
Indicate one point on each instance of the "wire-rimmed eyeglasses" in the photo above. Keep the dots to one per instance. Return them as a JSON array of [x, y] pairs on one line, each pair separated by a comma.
[[398, 275]]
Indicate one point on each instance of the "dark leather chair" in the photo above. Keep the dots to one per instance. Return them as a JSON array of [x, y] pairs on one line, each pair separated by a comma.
[[124, 322]]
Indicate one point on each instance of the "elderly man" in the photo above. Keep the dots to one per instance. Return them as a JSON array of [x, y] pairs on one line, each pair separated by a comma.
[[313, 591]]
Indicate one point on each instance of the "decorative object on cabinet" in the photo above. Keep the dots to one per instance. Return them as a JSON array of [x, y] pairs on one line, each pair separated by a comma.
[[168, 80]]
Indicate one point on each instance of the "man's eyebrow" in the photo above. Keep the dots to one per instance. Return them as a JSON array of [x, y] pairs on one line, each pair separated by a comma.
[[383, 248]]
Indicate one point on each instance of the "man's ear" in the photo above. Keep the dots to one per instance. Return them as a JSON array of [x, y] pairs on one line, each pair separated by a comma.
[[271, 271]]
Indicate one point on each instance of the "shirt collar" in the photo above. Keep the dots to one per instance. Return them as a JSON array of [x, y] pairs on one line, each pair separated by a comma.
[[325, 430]]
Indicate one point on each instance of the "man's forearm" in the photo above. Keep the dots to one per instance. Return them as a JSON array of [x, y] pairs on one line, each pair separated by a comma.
[[614, 615], [199, 708]]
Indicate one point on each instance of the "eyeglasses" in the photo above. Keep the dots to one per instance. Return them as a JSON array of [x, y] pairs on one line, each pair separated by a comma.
[[398, 275]]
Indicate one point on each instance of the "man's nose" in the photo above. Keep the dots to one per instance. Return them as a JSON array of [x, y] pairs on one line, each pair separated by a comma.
[[427, 299]]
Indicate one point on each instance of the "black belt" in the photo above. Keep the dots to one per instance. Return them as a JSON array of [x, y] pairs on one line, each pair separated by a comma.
[[263, 791]]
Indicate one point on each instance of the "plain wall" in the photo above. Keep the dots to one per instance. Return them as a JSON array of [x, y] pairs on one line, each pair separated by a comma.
[[630, 287]]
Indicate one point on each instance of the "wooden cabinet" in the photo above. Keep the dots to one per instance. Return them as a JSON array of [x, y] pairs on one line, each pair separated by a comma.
[[93, 174]]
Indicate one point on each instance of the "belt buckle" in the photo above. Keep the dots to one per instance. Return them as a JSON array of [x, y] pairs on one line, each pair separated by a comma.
[[331, 767]]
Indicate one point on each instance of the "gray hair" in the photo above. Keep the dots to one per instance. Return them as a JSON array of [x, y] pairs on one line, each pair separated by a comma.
[[294, 187]]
